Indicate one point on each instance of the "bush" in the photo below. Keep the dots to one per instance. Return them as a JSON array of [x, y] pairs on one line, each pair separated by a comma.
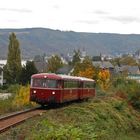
[[129, 89], [22, 97], [13, 88], [4, 87], [6, 105], [57, 132], [9, 88]]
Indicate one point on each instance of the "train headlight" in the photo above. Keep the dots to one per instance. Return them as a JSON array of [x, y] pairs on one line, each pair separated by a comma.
[[53, 92], [34, 91]]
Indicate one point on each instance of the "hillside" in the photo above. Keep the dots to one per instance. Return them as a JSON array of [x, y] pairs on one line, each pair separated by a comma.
[[35, 41], [99, 119]]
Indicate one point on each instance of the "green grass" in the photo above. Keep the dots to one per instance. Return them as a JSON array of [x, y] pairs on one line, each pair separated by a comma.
[[99, 119], [6, 106], [130, 136]]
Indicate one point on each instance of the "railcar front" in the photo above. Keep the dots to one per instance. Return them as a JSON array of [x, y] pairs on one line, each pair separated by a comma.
[[45, 88]]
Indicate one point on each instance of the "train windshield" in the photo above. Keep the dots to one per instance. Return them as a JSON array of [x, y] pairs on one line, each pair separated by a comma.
[[43, 83]]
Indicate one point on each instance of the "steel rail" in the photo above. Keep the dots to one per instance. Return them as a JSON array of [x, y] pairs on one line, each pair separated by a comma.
[[16, 118]]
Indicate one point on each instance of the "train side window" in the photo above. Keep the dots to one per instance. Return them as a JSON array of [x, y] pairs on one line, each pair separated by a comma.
[[70, 84]]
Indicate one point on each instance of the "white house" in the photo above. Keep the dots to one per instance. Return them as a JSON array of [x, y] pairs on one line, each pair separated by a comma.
[[2, 63], [1, 76]]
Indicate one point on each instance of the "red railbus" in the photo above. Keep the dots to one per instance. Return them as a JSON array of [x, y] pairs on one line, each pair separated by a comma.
[[49, 88]]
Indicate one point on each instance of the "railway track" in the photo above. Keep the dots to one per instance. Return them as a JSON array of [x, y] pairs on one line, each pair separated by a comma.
[[9, 121]]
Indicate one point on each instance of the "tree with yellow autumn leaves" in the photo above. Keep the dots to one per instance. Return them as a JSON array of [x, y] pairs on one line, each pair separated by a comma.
[[84, 68], [104, 79], [22, 97]]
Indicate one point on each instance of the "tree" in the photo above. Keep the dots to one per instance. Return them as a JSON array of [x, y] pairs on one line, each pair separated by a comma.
[[104, 79], [84, 68], [88, 73], [76, 57], [13, 67], [27, 71], [125, 60], [54, 63], [128, 60]]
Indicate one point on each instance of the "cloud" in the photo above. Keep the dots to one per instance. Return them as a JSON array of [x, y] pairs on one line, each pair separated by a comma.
[[12, 20], [16, 10], [124, 19], [100, 12], [56, 6], [88, 21]]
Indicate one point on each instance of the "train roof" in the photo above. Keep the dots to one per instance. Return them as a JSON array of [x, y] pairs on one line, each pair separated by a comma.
[[61, 76], [68, 77], [47, 75], [86, 79]]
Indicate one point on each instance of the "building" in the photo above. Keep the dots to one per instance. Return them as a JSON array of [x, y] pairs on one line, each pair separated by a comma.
[[104, 65], [2, 63], [130, 70], [135, 77], [1, 76]]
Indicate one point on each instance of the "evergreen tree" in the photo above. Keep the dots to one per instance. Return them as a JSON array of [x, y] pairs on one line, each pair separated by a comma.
[[27, 71], [13, 67]]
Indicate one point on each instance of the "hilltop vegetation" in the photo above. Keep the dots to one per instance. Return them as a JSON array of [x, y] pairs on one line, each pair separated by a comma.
[[34, 41]]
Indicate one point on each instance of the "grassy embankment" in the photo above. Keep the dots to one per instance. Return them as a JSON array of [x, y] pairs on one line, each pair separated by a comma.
[[110, 118], [99, 119]]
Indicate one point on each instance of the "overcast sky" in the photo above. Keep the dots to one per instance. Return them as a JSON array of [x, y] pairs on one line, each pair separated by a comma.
[[110, 16]]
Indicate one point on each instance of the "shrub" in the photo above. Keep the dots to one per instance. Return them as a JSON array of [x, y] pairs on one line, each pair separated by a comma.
[[104, 79], [129, 89], [13, 88], [6, 105], [22, 97], [51, 131]]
